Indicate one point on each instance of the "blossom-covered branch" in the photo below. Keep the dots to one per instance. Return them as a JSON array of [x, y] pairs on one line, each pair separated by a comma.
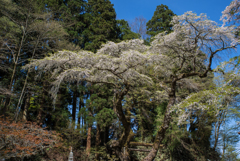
[[231, 13]]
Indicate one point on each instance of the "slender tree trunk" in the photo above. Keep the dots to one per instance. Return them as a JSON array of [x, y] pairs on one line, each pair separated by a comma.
[[15, 59], [74, 106], [84, 124], [98, 140], [39, 116], [58, 103], [42, 104], [217, 132], [20, 99], [88, 146], [25, 83], [81, 104], [58, 106], [224, 146], [1, 105], [79, 117], [26, 106], [106, 133]]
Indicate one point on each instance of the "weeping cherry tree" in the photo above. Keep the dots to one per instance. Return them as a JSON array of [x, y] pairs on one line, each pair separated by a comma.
[[176, 57]]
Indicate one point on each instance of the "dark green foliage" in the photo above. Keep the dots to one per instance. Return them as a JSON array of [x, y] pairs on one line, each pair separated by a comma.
[[100, 104], [102, 24], [160, 21], [193, 143], [105, 117], [71, 14], [124, 31], [90, 24]]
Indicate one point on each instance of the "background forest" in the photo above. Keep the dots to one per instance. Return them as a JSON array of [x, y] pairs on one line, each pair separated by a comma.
[[72, 75]]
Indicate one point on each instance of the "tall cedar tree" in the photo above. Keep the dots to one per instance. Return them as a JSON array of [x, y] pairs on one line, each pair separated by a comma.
[[160, 21], [71, 13], [102, 18]]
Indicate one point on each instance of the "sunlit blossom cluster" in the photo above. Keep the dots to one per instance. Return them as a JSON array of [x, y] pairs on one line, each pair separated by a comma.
[[231, 13]]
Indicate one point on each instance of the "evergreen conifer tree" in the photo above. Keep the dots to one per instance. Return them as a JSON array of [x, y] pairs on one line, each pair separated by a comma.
[[71, 13], [102, 20], [124, 31], [160, 21]]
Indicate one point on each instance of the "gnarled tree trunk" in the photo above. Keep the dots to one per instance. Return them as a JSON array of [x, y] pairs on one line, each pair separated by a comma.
[[127, 133], [161, 132]]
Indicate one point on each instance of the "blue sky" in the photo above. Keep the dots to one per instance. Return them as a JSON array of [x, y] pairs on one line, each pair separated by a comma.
[[129, 9]]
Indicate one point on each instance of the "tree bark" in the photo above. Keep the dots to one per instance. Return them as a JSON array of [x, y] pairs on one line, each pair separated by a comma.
[[26, 106], [106, 133], [141, 144], [98, 140], [13, 74], [81, 104], [1, 103], [217, 131], [141, 150], [127, 133], [43, 103], [25, 82], [167, 118], [84, 125], [88, 146], [39, 116], [74, 106], [224, 145], [79, 117]]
